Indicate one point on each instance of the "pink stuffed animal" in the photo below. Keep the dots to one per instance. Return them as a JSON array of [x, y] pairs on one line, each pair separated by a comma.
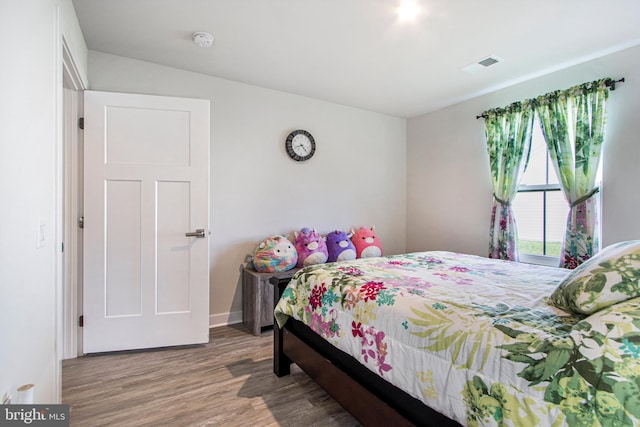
[[366, 242], [311, 247]]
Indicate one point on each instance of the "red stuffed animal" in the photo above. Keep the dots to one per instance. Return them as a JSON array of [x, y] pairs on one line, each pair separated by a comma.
[[366, 242]]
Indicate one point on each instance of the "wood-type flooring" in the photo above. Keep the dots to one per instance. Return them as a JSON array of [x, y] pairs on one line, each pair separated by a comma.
[[227, 382]]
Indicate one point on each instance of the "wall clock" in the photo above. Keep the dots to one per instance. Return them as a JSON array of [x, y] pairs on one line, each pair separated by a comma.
[[300, 145]]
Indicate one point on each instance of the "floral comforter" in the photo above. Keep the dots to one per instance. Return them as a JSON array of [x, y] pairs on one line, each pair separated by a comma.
[[474, 339]]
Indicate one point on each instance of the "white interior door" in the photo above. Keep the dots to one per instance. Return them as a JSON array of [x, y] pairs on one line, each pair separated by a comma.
[[146, 185]]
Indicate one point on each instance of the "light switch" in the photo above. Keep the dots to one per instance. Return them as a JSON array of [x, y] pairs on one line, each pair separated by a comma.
[[42, 235]]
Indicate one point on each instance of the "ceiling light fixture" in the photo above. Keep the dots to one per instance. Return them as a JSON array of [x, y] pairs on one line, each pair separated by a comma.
[[408, 10], [203, 39]]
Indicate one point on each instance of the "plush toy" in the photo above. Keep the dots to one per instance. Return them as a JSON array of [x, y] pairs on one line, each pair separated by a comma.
[[339, 246], [311, 247], [366, 242], [275, 253]]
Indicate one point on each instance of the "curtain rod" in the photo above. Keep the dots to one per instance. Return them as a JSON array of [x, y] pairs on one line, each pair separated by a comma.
[[611, 84]]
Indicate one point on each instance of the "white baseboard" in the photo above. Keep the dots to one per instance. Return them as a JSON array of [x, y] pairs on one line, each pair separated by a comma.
[[224, 319]]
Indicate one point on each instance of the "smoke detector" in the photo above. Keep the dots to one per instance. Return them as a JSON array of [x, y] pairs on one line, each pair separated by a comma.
[[203, 39], [482, 64]]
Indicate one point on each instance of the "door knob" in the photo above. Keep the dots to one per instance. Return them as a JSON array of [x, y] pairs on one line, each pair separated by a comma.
[[198, 233]]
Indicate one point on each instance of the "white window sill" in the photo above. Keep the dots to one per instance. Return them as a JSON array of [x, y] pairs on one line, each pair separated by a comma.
[[540, 260]]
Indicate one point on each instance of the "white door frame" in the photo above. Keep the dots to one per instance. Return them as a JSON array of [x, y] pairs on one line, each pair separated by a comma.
[[70, 160]]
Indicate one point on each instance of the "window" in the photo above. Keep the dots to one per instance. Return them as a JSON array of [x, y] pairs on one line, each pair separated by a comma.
[[540, 208]]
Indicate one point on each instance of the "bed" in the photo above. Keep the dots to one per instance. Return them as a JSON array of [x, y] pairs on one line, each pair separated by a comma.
[[440, 338]]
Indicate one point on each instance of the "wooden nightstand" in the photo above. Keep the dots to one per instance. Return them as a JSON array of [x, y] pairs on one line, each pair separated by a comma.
[[257, 298]]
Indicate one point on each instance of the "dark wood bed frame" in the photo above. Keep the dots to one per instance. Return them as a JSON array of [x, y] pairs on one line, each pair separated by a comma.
[[368, 397]]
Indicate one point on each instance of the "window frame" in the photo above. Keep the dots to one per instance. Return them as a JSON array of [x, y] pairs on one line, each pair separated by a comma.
[[543, 188]]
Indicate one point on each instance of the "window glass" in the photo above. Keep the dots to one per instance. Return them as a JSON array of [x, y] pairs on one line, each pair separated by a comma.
[[529, 212], [540, 169], [540, 211], [557, 211], [536, 172]]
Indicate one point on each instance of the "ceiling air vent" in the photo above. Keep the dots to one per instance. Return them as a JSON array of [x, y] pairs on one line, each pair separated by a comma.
[[482, 64], [487, 62]]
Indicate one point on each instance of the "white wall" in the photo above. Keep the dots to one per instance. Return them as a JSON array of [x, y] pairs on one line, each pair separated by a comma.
[[30, 88], [357, 177], [449, 183]]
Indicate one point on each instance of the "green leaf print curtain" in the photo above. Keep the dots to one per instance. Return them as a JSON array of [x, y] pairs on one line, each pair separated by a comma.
[[508, 133], [573, 124]]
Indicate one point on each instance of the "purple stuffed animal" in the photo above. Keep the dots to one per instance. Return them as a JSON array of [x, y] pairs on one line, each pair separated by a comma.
[[340, 247], [311, 247]]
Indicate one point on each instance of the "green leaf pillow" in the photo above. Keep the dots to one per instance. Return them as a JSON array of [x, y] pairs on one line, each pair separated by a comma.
[[611, 276]]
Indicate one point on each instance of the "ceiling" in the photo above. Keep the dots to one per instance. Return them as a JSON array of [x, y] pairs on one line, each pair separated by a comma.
[[358, 52]]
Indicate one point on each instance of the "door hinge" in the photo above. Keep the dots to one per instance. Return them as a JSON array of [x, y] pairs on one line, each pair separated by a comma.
[[81, 122], [81, 222], [81, 321], [62, 244]]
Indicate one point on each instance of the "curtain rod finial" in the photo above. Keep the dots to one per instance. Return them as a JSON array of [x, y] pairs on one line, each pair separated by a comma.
[[611, 84]]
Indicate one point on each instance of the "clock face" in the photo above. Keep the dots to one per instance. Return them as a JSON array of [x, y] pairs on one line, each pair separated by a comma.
[[300, 145]]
